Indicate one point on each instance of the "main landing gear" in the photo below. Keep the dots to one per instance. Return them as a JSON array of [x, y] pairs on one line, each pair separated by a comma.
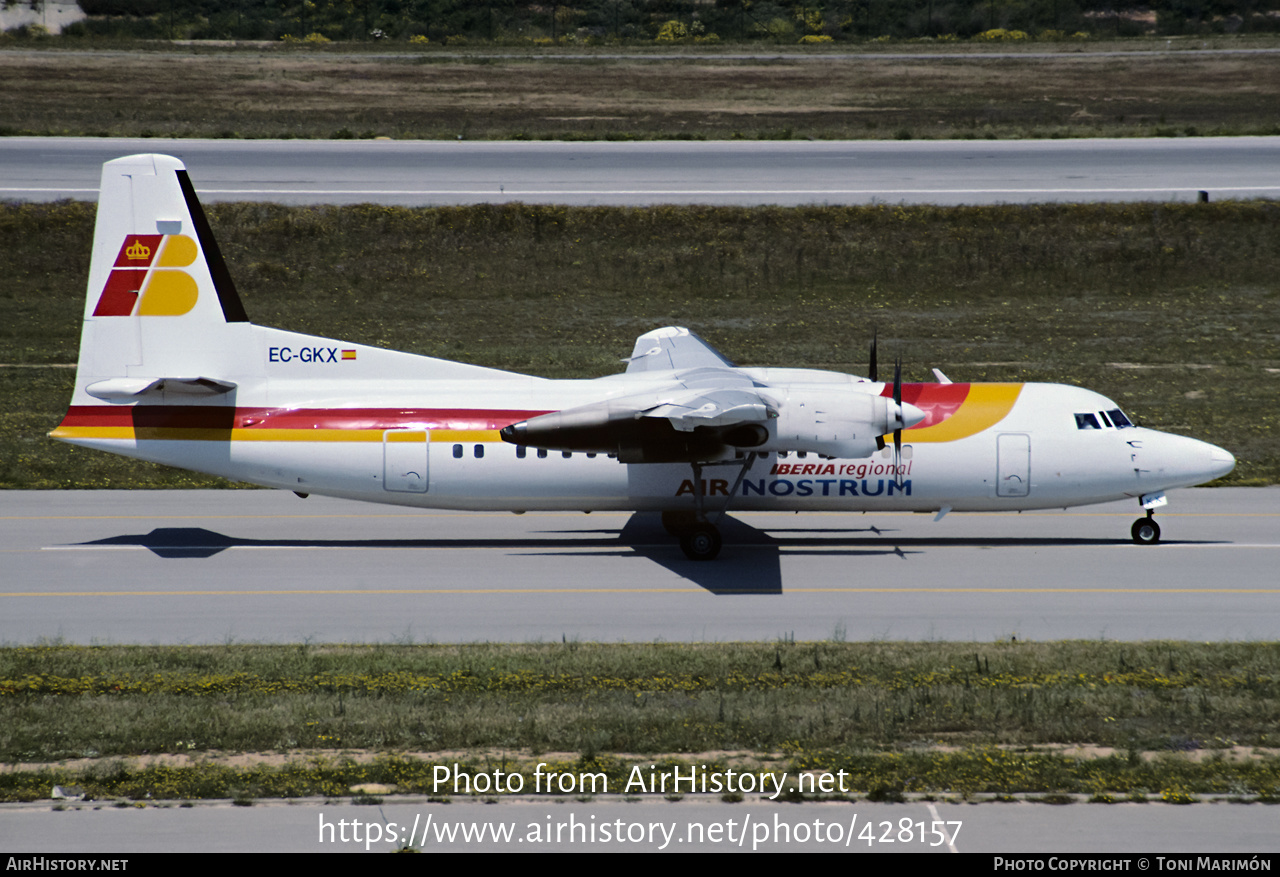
[[1145, 531], [701, 542], [699, 537]]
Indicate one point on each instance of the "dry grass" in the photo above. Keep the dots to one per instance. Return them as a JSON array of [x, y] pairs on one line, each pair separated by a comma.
[[922, 717], [634, 698], [205, 92]]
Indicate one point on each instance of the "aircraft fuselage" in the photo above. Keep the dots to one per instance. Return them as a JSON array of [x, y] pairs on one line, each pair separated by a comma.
[[1021, 448]]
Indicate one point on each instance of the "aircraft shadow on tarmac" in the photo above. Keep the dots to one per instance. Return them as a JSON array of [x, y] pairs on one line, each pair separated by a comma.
[[756, 570]]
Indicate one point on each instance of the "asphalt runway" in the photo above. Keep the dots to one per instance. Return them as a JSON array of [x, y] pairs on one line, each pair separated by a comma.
[[656, 172], [697, 824], [265, 566]]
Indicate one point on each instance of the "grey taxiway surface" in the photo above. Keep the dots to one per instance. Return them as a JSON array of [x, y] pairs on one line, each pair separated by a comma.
[[737, 172], [265, 566]]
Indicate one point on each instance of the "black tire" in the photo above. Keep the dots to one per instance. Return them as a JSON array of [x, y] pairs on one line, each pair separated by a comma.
[[1145, 531], [677, 523], [702, 542]]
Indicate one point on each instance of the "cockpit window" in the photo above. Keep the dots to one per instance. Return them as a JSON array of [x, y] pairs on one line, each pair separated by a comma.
[[1118, 418], [1113, 419]]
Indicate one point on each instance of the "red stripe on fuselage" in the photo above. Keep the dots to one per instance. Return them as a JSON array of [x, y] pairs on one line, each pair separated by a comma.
[[224, 417], [937, 401]]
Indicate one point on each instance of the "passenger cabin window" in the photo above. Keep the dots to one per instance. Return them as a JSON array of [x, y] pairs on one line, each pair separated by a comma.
[[1087, 421], [457, 452], [479, 451], [542, 453], [566, 454], [521, 450]]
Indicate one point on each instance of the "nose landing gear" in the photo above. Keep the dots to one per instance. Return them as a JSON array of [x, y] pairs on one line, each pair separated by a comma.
[[1145, 531]]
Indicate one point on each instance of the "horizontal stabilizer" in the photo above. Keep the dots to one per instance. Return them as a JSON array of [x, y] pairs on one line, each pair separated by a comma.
[[131, 389]]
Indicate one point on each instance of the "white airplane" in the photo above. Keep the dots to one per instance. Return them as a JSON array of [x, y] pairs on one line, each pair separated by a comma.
[[172, 371]]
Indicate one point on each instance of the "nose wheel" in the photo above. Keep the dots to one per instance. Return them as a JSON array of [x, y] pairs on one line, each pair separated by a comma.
[[1145, 531]]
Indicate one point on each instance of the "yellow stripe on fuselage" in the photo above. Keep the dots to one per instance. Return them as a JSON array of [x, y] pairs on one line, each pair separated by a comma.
[[984, 407], [262, 435]]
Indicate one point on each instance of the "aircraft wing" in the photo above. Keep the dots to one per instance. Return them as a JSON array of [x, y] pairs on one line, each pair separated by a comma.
[[708, 389], [688, 410], [688, 418], [700, 408], [673, 348]]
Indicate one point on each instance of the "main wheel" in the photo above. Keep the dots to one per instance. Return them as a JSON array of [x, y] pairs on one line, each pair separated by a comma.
[[702, 542], [1145, 531]]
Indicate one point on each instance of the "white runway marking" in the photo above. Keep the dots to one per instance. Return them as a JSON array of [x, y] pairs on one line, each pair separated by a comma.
[[515, 194], [951, 838]]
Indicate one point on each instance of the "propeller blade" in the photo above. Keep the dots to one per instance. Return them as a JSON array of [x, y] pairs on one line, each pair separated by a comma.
[[897, 458], [897, 433]]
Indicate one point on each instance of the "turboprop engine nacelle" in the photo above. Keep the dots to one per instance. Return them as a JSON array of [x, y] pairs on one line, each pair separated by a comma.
[[837, 423]]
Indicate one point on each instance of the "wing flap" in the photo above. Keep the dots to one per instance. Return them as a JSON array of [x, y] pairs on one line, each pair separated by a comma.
[[672, 425], [713, 408]]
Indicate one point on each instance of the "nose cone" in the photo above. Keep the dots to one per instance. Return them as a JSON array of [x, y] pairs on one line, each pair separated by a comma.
[[1221, 460], [911, 415], [1177, 461]]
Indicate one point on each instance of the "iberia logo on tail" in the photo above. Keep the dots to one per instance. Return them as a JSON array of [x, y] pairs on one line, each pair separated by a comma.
[[148, 278]]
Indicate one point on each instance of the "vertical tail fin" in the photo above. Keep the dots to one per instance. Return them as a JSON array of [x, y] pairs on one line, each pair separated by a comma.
[[153, 251], [160, 299]]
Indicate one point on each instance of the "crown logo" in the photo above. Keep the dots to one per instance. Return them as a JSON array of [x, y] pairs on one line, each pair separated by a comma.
[[138, 250]]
